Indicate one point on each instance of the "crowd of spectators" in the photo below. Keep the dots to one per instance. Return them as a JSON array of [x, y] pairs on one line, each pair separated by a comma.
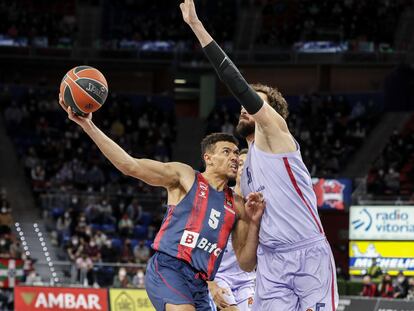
[[328, 128], [38, 23], [393, 172], [96, 214], [286, 22], [10, 249], [9, 246], [162, 21], [400, 288]]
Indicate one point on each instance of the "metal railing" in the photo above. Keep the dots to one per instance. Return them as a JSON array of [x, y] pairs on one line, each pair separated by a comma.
[[195, 58], [65, 273]]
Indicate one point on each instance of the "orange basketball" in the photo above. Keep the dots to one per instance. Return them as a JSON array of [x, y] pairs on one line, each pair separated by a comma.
[[84, 89]]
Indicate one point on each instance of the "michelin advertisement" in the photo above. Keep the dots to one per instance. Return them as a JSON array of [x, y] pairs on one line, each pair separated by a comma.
[[384, 234]]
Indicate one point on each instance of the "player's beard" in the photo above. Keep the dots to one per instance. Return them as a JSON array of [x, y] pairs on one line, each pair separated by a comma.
[[245, 129]]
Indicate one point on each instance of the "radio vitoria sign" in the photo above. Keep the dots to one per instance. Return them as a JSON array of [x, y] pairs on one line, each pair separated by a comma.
[[381, 223]]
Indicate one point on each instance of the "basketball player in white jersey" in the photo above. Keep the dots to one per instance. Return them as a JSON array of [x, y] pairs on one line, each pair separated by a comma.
[[233, 288], [295, 267]]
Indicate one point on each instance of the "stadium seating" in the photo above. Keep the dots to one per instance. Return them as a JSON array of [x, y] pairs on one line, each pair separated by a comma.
[[392, 174], [82, 194], [328, 128]]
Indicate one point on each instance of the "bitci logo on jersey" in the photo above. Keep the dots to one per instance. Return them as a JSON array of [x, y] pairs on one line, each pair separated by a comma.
[[191, 239]]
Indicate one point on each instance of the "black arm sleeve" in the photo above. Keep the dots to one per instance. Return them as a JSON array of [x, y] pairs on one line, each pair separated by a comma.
[[231, 76]]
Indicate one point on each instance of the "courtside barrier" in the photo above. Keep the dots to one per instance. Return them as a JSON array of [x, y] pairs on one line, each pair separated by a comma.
[[33, 298], [374, 304], [135, 299]]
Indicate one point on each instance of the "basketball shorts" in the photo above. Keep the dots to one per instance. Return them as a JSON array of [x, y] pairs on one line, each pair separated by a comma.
[[170, 280], [298, 277]]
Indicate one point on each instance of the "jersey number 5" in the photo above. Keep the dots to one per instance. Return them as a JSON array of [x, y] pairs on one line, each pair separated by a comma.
[[213, 221]]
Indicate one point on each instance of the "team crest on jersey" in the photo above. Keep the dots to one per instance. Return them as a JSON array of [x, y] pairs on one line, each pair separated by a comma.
[[203, 189]]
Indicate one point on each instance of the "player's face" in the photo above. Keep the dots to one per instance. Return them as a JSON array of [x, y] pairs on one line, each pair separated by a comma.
[[242, 159], [246, 125], [225, 159]]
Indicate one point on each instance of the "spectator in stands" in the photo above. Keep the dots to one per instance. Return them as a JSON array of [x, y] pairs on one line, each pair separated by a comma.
[[375, 270], [134, 211], [106, 212], [125, 226], [369, 288], [15, 249], [100, 239], [84, 265], [392, 181], [63, 225], [33, 279], [4, 248], [385, 288], [38, 177], [401, 285], [74, 249], [139, 278], [92, 250], [6, 219], [127, 254], [410, 292], [92, 211], [109, 253], [141, 252], [121, 280]]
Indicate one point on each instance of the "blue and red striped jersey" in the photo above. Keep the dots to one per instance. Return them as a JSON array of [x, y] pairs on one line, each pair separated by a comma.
[[198, 228]]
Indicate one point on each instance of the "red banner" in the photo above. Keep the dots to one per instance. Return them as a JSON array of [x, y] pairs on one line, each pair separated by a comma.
[[28, 298]]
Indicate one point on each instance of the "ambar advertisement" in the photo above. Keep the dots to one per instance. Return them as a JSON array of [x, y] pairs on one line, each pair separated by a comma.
[[27, 298]]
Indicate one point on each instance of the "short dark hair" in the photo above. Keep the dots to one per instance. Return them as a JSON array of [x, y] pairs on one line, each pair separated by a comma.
[[244, 151], [208, 143], [275, 99]]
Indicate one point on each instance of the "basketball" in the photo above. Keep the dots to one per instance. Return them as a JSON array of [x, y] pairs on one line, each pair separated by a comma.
[[84, 89]]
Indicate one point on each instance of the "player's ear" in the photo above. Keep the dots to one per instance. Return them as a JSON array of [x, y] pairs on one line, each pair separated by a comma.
[[207, 159]]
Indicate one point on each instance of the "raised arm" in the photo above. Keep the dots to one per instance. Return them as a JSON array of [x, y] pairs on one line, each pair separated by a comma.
[[168, 175], [246, 233], [272, 129]]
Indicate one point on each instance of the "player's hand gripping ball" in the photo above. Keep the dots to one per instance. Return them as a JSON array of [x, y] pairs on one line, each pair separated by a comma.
[[84, 89]]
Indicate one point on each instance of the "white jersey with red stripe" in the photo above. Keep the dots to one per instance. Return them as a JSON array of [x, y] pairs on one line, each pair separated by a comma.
[[230, 271], [291, 214]]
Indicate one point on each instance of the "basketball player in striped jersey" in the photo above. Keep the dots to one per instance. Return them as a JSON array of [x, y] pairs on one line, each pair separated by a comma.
[[295, 268], [233, 288], [202, 211]]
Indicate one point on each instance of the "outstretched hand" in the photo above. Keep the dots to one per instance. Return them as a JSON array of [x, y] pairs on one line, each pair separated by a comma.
[[218, 295], [255, 206], [81, 121], [189, 12]]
